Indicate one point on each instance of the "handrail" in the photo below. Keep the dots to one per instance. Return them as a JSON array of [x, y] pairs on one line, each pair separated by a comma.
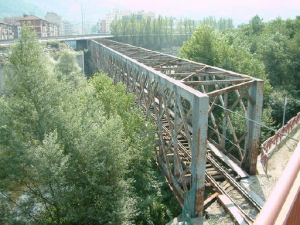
[[272, 208], [276, 139]]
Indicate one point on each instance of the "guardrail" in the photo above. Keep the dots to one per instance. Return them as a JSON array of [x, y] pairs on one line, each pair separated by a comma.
[[283, 205], [276, 139], [62, 38]]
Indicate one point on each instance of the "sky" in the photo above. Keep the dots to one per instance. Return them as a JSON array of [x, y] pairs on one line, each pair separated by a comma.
[[240, 11]]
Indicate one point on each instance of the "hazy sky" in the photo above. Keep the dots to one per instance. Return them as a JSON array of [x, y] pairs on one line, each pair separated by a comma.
[[239, 10]]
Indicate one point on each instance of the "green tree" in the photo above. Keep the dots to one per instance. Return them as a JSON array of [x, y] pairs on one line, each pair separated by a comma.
[[68, 160], [200, 47], [89, 161], [67, 69]]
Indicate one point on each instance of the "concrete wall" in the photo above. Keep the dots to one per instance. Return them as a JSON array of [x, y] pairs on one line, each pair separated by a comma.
[[80, 60], [81, 45]]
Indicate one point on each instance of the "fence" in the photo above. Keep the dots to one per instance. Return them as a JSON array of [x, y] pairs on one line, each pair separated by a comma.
[[276, 139], [283, 205]]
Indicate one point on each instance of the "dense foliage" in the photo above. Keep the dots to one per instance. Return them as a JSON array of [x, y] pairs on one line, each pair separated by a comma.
[[72, 151], [152, 33], [161, 32], [269, 51], [221, 24]]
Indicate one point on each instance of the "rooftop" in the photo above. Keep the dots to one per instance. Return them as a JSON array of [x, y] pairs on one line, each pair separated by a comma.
[[31, 17]]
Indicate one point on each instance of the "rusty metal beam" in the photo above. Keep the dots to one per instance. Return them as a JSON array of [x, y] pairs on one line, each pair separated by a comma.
[[214, 82], [253, 129]]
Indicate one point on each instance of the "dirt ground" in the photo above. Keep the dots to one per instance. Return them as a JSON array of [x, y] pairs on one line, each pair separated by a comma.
[[217, 215]]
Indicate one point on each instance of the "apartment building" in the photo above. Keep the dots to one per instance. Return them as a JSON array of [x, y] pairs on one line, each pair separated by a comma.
[[101, 26], [68, 28], [42, 27], [6, 31], [55, 18], [14, 21]]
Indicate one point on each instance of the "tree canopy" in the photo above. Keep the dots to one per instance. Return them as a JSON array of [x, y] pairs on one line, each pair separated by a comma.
[[72, 151], [266, 50]]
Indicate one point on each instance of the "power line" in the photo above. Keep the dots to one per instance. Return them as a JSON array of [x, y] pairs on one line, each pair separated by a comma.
[[227, 138], [256, 122]]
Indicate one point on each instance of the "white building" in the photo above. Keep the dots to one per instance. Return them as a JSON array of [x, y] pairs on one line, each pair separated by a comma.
[[114, 14], [68, 28], [6, 31], [148, 14], [53, 17]]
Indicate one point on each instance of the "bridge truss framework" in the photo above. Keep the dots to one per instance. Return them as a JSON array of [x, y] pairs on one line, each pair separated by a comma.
[[191, 104]]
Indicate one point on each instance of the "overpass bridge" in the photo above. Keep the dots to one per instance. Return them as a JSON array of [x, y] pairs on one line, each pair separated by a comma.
[[77, 41], [208, 121]]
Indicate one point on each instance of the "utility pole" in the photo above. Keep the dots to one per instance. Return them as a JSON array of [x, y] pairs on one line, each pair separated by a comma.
[[82, 31], [285, 103], [82, 18]]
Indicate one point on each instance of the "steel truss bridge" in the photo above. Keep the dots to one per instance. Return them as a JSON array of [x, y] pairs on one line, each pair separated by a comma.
[[200, 111]]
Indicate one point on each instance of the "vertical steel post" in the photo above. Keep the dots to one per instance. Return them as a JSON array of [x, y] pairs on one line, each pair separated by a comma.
[[253, 128], [199, 147], [285, 103]]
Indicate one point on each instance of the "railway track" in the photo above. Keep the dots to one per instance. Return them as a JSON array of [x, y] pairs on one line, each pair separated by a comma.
[[219, 179]]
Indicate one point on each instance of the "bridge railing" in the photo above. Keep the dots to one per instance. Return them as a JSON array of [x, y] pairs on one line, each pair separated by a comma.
[[275, 140]]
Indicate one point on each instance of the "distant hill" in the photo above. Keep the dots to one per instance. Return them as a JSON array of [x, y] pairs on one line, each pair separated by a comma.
[[19, 7]]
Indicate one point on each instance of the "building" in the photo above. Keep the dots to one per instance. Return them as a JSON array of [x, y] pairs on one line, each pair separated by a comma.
[[6, 31], [68, 28], [15, 22], [101, 26], [52, 29], [54, 18], [148, 14], [12, 20], [42, 27], [77, 28], [17, 30], [111, 16]]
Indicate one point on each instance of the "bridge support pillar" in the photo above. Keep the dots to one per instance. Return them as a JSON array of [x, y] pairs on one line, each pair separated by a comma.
[[81, 45], [199, 148], [254, 113]]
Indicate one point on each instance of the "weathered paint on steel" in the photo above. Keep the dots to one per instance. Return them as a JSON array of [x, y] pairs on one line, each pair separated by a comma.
[[253, 129], [199, 147]]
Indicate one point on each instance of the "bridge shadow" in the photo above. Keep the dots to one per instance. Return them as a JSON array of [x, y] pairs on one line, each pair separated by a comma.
[[259, 186]]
